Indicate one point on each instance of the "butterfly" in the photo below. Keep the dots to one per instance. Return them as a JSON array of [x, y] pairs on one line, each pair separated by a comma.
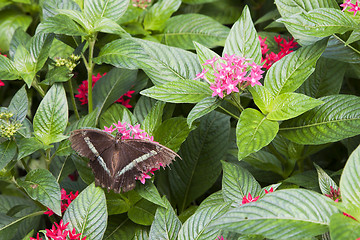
[[116, 162]]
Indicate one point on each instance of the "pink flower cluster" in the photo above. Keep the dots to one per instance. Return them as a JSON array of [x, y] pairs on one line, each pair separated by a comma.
[[83, 92], [66, 199], [141, 3], [336, 196], [285, 47], [231, 73], [133, 132], [2, 83], [249, 198], [59, 232], [353, 7]]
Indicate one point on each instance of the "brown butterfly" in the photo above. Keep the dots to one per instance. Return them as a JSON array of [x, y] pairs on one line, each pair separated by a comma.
[[116, 162]]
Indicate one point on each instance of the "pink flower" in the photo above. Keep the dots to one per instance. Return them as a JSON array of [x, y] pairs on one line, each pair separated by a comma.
[[37, 237], [218, 89], [2, 84], [83, 92], [220, 238], [249, 198], [231, 86], [346, 4], [211, 61], [354, 7], [270, 190], [202, 74], [59, 232]]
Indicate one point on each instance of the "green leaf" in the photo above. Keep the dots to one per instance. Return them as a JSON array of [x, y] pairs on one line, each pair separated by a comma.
[[143, 107], [181, 91], [19, 105], [350, 179], [20, 37], [343, 227], [290, 105], [97, 9], [202, 108], [154, 118], [25, 65], [204, 53], [40, 48], [197, 1], [116, 203], [50, 7], [309, 216], [143, 212], [321, 22], [243, 40], [336, 119], [7, 69], [108, 26], [87, 213], [158, 13], [115, 113], [225, 12], [237, 183], [150, 193], [85, 172], [112, 86], [287, 74], [214, 199], [51, 117], [287, 9], [61, 24], [28, 146], [172, 133], [265, 161], [10, 20], [201, 154], [180, 31], [198, 225], [326, 80], [263, 97], [340, 52], [57, 74], [253, 132], [122, 53], [7, 152], [79, 18], [325, 181], [42, 186], [166, 224]]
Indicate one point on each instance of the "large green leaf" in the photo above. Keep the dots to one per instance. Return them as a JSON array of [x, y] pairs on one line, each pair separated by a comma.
[[40, 48], [150, 193], [325, 181], [350, 179], [142, 212], [243, 40], [88, 213], [343, 227], [253, 132], [166, 224], [51, 117], [326, 80], [336, 119], [201, 153], [197, 1], [20, 37], [321, 22], [237, 183], [25, 64], [283, 214], [19, 105], [42, 186], [288, 8], [7, 152], [287, 74], [202, 108], [143, 106], [198, 225], [172, 133], [180, 31], [112, 86], [7, 69], [61, 24], [10, 20], [290, 105], [158, 13], [336, 49], [28, 146], [154, 118], [97, 9], [181, 91]]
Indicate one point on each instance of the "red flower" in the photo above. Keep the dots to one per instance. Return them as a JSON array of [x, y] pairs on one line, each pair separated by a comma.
[[65, 201], [59, 232], [83, 92], [37, 237], [2, 84]]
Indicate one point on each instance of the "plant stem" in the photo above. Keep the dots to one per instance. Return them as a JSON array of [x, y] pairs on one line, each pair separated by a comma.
[[230, 113], [47, 158], [73, 100], [25, 165], [237, 101], [90, 67], [36, 85]]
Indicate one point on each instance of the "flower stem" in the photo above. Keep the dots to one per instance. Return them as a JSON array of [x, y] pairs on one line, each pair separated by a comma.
[[90, 69], [237, 102], [27, 169], [73, 100], [230, 113]]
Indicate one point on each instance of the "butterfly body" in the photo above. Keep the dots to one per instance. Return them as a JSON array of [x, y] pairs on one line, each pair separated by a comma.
[[116, 162]]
